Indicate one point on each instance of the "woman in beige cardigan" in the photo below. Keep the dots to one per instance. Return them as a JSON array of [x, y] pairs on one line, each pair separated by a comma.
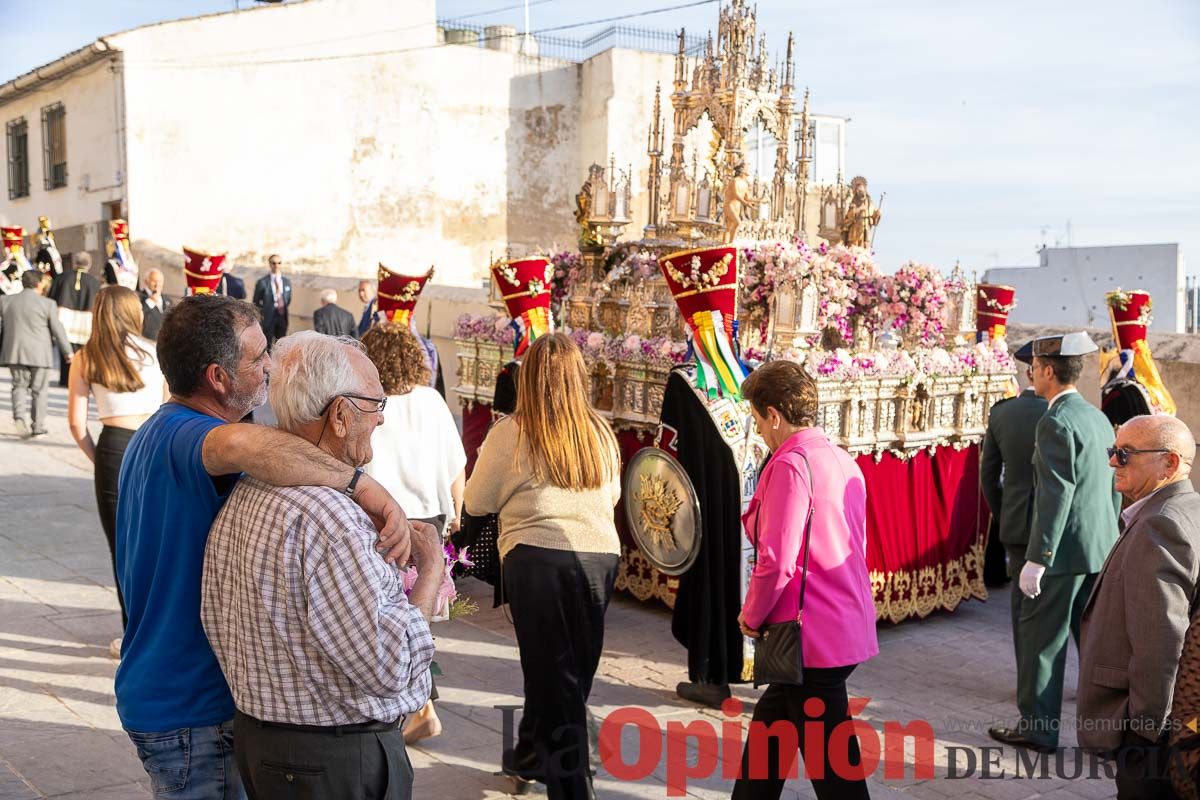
[[552, 472]]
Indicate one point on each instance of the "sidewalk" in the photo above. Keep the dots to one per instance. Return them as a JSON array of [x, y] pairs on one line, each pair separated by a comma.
[[59, 734]]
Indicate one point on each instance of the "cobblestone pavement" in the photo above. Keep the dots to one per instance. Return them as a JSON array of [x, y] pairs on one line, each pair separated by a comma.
[[59, 734]]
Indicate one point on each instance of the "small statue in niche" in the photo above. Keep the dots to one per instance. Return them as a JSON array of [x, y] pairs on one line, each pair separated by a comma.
[[588, 236], [737, 198], [861, 217]]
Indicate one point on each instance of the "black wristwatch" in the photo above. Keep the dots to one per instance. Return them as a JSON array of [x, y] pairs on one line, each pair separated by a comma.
[[358, 473]]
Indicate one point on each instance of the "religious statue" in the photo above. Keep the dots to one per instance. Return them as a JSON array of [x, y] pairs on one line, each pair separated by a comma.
[[861, 217], [737, 197], [583, 207]]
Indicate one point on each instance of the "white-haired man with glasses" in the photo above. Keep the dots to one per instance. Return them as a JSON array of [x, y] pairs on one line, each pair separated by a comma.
[[1138, 613], [323, 652]]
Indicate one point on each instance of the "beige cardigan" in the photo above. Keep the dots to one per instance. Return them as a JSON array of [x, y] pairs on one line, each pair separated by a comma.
[[538, 513]]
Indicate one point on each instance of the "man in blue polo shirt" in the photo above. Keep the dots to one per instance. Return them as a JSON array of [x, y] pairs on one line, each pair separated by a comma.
[[178, 469]]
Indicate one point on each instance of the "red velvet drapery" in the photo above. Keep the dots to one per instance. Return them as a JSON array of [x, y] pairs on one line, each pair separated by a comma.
[[926, 526]]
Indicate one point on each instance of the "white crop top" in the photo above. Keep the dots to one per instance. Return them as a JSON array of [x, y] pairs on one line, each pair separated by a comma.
[[134, 404]]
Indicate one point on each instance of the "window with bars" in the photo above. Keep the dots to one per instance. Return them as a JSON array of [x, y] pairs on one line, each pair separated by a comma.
[[54, 146], [17, 136]]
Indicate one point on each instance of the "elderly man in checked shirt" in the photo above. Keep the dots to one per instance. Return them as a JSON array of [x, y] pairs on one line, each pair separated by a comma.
[[323, 651]]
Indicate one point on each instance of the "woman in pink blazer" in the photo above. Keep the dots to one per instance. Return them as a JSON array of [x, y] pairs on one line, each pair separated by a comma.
[[806, 470]]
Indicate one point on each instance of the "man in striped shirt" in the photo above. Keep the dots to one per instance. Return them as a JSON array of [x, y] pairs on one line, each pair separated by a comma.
[[323, 652]]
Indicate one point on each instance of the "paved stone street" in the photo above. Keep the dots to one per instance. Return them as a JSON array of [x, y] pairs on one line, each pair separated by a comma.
[[59, 734]]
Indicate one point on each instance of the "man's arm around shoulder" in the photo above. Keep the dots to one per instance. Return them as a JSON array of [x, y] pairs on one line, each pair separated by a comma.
[[281, 459]]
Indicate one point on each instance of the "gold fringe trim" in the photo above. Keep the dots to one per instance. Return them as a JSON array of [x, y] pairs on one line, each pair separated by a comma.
[[918, 593], [638, 577], [898, 595]]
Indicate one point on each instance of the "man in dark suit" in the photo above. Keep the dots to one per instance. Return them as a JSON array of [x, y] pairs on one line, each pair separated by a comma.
[[231, 285], [29, 332], [331, 319], [1006, 477], [272, 296], [154, 304], [366, 296], [1074, 527], [75, 291], [1136, 618]]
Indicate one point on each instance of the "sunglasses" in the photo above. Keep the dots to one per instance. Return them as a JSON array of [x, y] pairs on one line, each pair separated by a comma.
[[1122, 454]]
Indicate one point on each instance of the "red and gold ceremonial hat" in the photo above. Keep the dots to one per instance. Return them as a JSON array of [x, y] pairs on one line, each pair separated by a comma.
[[14, 239], [121, 255], [1130, 315], [202, 270], [398, 294], [993, 302], [14, 249], [704, 285], [1131, 318], [119, 229], [524, 285]]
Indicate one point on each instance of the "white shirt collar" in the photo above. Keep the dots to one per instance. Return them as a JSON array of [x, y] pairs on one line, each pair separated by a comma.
[[1061, 394], [1128, 514]]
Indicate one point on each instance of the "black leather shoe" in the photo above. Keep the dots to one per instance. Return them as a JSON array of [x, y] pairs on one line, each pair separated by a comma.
[[1017, 739], [706, 694]]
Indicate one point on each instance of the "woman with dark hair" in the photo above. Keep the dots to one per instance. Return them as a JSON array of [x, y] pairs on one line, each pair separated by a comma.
[[807, 521], [120, 369], [552, 472]]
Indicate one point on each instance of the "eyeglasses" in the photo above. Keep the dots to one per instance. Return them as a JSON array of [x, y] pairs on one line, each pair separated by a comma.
[[1122, 454], [377, 404]]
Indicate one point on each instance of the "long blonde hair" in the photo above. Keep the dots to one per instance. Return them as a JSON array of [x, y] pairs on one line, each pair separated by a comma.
[[571, 445], [116, 318]]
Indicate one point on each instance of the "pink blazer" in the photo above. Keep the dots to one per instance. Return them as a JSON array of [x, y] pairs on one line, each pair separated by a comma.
[[839, 611]]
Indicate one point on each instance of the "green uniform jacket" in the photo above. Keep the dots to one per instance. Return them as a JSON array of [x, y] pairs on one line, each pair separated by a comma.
[[1006, 466], [1075, 507]]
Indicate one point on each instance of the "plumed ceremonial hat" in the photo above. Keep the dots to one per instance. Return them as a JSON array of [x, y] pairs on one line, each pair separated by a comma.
[[524, 285], [202, 270], [993, 302], [704, 285], [398, 294]]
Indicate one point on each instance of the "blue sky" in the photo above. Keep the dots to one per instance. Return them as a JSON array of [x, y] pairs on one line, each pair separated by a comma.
[[989, 124]]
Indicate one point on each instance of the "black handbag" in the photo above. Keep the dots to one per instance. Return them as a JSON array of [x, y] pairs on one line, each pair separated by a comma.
[[779, 651]]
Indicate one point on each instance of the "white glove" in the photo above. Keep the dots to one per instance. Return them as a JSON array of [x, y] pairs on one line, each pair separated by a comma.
[[1031, 579]]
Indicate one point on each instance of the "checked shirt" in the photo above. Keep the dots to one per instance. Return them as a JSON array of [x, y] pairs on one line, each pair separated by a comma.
[[310, 625]]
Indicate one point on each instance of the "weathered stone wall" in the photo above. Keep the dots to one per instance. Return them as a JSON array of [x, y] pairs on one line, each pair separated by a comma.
[[339, 160]]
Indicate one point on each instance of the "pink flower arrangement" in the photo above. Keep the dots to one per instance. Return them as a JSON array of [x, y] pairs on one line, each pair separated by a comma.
[[914, 300], [447, 592], [489, 328], [567, 268]]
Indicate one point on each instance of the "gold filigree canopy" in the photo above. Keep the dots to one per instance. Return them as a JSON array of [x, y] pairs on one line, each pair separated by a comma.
[[732, 86]]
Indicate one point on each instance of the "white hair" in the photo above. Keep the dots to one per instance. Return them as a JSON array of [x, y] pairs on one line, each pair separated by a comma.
[[329, 296], [154, 271], [308, 370]]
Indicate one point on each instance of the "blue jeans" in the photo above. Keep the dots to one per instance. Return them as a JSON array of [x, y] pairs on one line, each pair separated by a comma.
[[191, 763]]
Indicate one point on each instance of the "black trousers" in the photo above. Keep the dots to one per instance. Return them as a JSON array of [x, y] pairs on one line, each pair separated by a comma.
[[316, 764], [275, 328], [110, 450], [1142, 769], [785, 703], [64, 369], [558, 600]]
